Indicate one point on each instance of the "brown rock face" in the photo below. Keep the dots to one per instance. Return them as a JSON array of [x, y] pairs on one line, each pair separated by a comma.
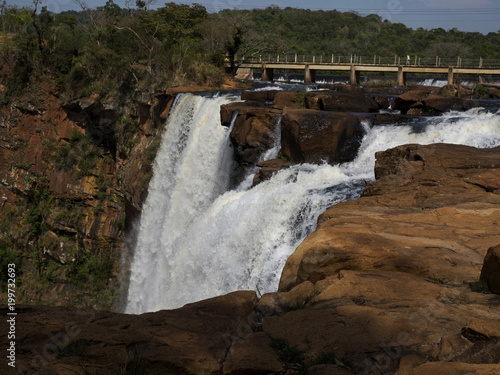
[[254, 129], [490, 272], [423, 102], [268, 168], [252, 356], [80, 163], [284, 100], [196, 339], [310, 136], [341, 102], [262, 96], [381, 287], [424, 215]]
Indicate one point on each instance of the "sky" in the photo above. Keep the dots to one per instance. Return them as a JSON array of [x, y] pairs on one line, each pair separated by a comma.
[[466, 15]]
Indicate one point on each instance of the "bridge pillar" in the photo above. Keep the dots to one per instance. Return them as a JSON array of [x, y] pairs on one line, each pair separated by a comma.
[[355, 76], [401, 77], [450, 76], [310, 76], [267, 74]]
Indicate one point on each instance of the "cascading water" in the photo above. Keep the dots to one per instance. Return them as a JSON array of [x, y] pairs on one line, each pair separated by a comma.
[[197, 242], [191, 169]]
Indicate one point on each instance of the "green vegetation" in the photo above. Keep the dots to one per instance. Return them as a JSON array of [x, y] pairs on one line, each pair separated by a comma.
[[285, 158], [436, 280], [92, 270], [113, 50], [109, 49], [44, 233], [79, 153], [301, 99], [306, 32]]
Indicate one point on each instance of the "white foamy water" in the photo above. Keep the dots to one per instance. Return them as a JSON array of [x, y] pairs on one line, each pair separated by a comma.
[[197, 241]]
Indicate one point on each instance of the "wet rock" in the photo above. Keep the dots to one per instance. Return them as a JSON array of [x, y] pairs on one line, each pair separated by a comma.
[[424, 102], [284, 100], [260, 96], [227, 110], [254, 130], [268, 168], [310, 136], [340, 102]]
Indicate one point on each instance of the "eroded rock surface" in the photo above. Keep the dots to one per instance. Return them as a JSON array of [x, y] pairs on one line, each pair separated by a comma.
[[313, 136], [387, 284]]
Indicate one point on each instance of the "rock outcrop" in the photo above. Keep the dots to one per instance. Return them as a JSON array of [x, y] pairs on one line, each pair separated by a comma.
[[73, 177], [313, 136], [490, 273], [424, 102], [268, 168], [254, 130], [341, 102], [387, 284]]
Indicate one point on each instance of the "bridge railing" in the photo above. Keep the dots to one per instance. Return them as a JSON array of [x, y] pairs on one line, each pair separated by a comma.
[[372, 60]]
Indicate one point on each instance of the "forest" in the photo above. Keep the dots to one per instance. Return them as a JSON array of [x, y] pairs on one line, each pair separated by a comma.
[[112, 48]]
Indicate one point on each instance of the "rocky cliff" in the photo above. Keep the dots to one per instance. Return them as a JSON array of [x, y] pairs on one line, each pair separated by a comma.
[[387, 284], [391, 283], [74, 173]]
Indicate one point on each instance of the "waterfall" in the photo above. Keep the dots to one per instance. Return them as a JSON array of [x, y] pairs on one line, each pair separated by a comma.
[[198, 240], [191, 169]]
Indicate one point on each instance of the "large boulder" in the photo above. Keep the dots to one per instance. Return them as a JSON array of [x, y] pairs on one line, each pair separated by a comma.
[[268, 168], [341, 102], [254, 130], [285, 99], [227, 110], [262, 96], [490, 273], [408, 220], [310, 136], [423, 102]]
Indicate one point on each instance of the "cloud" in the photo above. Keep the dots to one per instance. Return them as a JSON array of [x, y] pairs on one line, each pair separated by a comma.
[[457, 4]]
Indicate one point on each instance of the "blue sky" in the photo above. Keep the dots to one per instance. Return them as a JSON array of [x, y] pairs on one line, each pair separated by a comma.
[[466, 15]]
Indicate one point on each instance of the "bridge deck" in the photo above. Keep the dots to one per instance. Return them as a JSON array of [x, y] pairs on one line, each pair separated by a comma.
[[370, 67], [355, 69]]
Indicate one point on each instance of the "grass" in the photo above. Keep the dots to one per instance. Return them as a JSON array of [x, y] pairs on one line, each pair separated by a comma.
[[435, 280], [301, 99], [480, 286], [79, 154], [285, 158]]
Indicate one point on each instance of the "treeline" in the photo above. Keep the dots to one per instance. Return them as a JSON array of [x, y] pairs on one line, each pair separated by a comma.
[[301, 31], [111, 48]]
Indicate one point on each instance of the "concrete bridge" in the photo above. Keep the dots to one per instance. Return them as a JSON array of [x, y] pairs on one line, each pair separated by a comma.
[[355, 67]]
